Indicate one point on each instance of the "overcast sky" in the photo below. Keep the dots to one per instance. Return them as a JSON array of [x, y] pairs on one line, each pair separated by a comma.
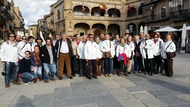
[[32, 10]]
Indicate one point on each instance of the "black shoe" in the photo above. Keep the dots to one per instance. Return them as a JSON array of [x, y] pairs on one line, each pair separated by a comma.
[[88, 77], [60, 78], [129, 72], [95, 77], [71, 77]]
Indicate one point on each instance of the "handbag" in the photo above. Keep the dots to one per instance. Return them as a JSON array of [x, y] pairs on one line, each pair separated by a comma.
[[170, 55], [120, 57], [107, 54]]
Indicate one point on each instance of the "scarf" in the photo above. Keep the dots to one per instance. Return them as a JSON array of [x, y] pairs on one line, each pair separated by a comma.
[[123, 45], [155, 41], [37, 58]]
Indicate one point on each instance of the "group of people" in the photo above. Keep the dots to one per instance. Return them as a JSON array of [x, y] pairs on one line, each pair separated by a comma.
[[88, 56]]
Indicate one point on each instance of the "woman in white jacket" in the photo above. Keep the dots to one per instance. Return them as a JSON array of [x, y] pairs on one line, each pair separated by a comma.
[[108, 47], [131, 47], [122, 48], [91, 57], [147, 47], [80, 52], [169, 46]]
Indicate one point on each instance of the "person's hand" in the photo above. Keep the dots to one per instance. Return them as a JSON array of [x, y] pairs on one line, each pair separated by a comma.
[[97, 59], [165, 51], [2, 62]]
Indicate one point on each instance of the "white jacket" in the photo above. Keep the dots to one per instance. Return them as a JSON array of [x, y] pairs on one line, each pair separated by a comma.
[[30, 47], [9, 53], [149, 46], [100, 54], [105, 47], [91, 50], [121, 50], [171, 48], [80, 50], [131, 47], [158, 47], [22, 48]]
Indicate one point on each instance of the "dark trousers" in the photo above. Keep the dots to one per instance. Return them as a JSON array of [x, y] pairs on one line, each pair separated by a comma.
[[73, 64], [157, 63], [168, 66], [148, 65], [82, 67], [108, 65], [91, 68], [123, 68], [138, 66]]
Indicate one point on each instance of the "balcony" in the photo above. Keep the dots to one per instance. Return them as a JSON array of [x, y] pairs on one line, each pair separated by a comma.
[[10, 16], [179, 15], [157, 17], [88, 17]]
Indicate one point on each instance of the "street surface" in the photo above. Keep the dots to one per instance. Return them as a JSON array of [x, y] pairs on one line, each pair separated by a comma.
[[136, 90]]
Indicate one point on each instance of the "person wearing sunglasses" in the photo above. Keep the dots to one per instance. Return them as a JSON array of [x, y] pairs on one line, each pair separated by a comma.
[[9, 58]]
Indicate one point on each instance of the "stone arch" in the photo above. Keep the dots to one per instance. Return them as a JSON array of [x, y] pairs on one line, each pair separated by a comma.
[[81, 28], [96, 11], [98, 28], [132, 29], [112, 12], [132, 12], [113, 29], [81, 10]]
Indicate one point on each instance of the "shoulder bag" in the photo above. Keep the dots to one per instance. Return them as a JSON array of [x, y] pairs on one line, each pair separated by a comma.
[[170, 55]]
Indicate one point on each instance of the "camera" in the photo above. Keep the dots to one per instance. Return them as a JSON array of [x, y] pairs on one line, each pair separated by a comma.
[[3, 73]]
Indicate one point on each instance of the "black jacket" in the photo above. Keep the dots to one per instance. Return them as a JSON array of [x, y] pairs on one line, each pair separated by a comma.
[[137, 49], [58, 47], [44, 54], [24, 66]]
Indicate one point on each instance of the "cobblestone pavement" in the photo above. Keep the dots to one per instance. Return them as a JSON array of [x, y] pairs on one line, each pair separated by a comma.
[[136, 90]]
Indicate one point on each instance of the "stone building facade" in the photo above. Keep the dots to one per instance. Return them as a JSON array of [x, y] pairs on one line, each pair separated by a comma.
[[116, 16]]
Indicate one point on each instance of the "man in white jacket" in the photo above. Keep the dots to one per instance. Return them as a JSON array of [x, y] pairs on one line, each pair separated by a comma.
[[9, 58], [147, 47], [80, 52], [91, 57], [107, 46]]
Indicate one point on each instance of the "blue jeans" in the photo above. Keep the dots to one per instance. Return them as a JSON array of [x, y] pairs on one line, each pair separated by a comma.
[[11, 71], [108, 65], [37, 72], [47, 69], [27, 77]]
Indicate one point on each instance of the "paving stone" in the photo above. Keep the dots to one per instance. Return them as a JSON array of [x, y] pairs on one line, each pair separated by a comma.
[[84, 100], [21, 105], [43, 103], [86, 105], [117, 90], [170, 100], [45, 97], [93, 81], [158, 93], [132, 103], [78, 84], [134, 89], [184, 96], [62, 93], [148, 99], [63, 102], [123, 96], [112, 85]]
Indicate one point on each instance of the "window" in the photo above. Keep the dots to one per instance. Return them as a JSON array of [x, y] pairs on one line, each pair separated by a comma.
[[163, 11], [58, 14]]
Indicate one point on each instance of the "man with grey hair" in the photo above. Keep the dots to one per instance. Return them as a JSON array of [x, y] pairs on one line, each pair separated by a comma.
[[64, 54]]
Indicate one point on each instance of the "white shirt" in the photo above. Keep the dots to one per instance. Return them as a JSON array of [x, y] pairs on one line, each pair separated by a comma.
[[158, 47], [9, 52], [131, 47], [105, 47], [22, 48], [91, 50], [171, 48], [149, 46], [30, 46], [64, 47], [80, 50], [121, 50]]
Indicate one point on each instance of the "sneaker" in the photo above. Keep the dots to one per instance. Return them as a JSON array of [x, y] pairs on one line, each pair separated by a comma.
[[53, 79], [46, 81], [26, 83], [40, 78], [109, 75], [94, 76], [16, 82]]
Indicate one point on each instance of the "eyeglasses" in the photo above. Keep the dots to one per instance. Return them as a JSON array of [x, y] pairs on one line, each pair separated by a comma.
[[90, 37], [23, 38], [11, 36]]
